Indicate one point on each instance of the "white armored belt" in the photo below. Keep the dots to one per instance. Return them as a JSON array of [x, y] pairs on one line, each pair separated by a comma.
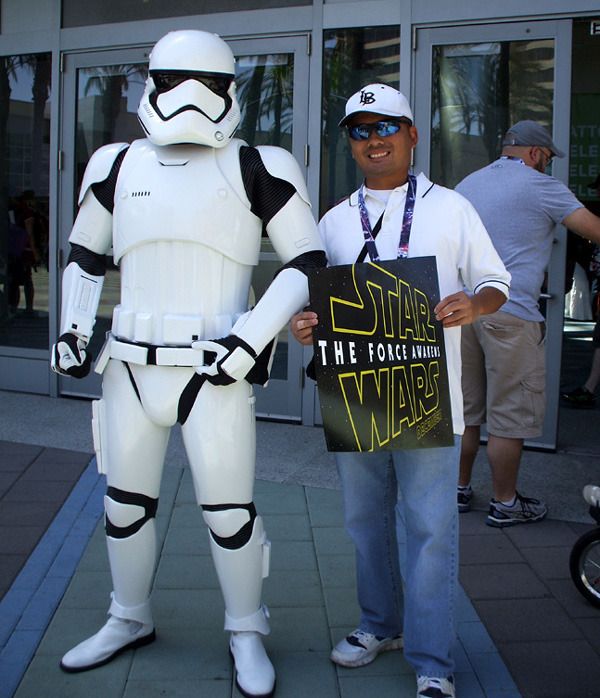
[[150, 354]]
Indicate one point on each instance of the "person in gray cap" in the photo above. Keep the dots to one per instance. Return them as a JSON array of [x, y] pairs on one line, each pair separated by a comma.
[[413, 609], [504, 353], [525, 134]]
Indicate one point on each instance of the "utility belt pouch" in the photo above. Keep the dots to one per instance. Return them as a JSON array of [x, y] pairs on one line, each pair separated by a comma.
[[104, 355], [266, 558], [98, 432]]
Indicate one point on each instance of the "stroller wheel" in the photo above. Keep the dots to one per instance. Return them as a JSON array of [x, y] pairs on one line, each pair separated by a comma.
[[584, 565]]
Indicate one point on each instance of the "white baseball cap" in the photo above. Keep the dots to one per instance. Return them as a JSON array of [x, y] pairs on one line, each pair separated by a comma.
[[378, 98]]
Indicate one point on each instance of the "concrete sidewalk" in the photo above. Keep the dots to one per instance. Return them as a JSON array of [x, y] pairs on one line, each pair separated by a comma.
[[523, 629]]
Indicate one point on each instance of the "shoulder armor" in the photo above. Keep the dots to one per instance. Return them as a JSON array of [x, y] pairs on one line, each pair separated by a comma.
[[228, 159], [282, 164], [99, 165]]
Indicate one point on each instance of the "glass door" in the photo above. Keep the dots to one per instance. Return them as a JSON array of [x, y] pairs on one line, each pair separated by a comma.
[[25, 131], [272, 85], [101, 94], [475, 82]]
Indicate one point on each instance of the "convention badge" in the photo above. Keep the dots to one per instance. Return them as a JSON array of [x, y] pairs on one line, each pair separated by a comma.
[[380, 357]]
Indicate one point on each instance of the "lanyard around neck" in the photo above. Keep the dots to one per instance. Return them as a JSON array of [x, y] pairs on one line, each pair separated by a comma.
[[407, 218]]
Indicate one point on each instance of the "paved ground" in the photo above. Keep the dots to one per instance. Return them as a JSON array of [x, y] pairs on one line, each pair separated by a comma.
[[523, 628], [34, 483]]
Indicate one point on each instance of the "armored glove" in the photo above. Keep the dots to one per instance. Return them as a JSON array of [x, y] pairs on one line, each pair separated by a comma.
[[234, 360], [69, 356]]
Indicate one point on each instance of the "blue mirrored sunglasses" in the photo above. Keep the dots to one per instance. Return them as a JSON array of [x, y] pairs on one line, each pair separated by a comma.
[[362, 132]]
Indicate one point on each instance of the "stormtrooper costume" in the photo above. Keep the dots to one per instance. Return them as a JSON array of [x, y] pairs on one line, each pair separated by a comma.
[[183, 211]]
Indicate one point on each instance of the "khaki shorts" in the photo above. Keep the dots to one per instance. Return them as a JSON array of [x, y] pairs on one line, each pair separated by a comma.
[[503, 375]]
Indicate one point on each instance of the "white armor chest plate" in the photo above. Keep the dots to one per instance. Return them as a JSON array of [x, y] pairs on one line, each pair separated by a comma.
[[186, 243], [187, 193]]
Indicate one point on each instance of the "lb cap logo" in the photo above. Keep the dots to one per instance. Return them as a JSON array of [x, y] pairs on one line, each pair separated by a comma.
[[367, 97], [377, 98]]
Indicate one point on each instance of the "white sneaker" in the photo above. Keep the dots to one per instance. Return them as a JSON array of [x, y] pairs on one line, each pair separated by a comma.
[[116, 636], [432, 687], [591, 494], [524, 510], [255, 676], [360, 648]]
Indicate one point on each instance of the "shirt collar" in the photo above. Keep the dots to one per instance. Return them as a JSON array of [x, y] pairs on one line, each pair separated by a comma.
[[368, 195]]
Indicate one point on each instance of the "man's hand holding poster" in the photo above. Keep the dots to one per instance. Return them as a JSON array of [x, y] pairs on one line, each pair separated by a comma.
[[379, 356]]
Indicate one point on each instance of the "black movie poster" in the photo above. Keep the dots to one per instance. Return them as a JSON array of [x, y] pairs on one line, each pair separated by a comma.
[[380, 359]]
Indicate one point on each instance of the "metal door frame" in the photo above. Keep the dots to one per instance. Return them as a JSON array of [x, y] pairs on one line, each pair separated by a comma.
[[561, 32]]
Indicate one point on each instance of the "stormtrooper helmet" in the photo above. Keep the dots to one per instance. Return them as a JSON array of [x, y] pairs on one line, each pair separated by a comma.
[[190, 91]]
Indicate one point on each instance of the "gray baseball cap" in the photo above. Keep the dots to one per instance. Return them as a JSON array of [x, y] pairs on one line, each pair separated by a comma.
[[531, 133]]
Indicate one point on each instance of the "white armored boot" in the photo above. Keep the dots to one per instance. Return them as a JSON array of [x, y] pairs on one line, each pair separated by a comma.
[[130, 624], [240, 573], [255, 675], [116, 636]]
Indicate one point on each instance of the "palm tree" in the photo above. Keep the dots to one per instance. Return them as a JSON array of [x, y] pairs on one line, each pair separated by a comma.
[[110, 83], [265, 92], [249, 86], [41, 64]]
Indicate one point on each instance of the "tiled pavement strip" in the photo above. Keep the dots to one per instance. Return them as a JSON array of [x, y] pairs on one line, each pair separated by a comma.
[[516, 580]]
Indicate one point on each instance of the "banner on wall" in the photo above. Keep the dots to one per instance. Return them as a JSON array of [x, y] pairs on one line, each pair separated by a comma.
[[584, 161], [380, 358]]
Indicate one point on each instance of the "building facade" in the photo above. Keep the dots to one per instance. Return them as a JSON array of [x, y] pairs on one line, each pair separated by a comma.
[[72, 73]]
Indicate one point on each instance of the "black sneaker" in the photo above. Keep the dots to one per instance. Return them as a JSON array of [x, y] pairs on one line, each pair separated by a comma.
[[524, 510], [580, 397], [464, 495]]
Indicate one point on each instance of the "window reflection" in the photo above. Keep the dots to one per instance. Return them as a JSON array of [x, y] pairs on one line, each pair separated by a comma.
[[265, 90], [478, 91], [351, 58], [265, 86], [107, 102], [24, 185]]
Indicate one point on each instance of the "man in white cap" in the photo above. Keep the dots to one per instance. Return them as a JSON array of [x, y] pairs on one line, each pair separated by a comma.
[[414, 610], [504, 354]]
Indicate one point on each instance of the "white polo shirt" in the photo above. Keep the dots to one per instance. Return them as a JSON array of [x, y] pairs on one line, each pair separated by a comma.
[[445, 225]]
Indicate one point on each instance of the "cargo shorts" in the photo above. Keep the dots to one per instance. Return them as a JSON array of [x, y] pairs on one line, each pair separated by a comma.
[[504, 375]]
